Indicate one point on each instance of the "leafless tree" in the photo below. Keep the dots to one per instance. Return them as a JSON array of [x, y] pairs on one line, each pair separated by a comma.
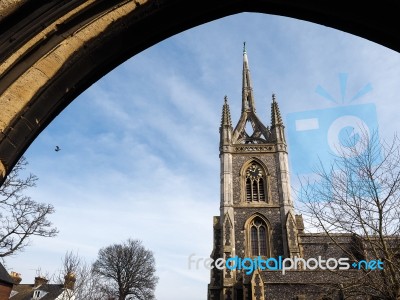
[[127, 271], [79, 281], [359, 195], [20, 216]]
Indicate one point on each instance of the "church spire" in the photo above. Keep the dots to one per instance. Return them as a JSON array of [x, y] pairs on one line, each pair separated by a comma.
[[249, 129], [247, 89]]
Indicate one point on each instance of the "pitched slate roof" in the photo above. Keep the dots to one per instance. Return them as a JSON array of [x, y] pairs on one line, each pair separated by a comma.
[[25, 291], [4, 276]]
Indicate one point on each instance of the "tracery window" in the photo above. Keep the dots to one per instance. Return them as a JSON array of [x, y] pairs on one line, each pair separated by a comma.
[[255, 183], [258, 237]]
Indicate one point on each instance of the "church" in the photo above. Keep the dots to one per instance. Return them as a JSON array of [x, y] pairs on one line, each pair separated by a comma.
[[257, 217]]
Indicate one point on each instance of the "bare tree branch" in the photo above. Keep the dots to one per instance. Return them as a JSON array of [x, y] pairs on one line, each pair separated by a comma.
[[80, 283], [359, 195], [20, 216]]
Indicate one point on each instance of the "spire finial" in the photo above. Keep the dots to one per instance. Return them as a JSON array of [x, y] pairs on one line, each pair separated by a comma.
[[273, 97], [244, 47], [226, 99]]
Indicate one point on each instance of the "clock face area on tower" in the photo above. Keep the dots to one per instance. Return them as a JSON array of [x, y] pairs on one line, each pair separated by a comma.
[[254, 172], [255, 184]]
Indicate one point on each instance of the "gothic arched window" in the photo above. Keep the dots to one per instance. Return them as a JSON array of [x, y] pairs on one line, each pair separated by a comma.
[[255, 183], [258, 237]]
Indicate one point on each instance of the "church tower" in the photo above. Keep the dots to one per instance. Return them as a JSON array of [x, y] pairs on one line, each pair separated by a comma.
[[256, 210]]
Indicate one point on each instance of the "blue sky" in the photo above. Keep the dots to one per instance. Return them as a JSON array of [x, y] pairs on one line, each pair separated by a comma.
[[139, 154]]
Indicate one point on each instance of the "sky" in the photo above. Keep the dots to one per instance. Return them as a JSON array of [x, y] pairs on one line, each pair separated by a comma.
[[139, 148]]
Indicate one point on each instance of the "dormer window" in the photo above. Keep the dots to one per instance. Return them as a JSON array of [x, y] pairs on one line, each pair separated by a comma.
[[38, 294], [13, 293]]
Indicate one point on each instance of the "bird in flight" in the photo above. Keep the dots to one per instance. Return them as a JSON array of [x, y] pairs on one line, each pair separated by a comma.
[[57, 149]]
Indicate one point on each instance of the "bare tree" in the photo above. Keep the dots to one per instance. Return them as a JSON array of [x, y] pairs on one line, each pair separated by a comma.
[[359, 195], [126, 271], [20, 216], [79, 281]]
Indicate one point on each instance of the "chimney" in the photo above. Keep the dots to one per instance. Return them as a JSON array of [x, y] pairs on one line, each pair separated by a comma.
[[69, 282], [16, 277], [40, 281]]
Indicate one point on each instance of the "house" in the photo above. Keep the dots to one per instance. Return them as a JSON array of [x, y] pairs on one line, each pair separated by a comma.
[[42, 290]]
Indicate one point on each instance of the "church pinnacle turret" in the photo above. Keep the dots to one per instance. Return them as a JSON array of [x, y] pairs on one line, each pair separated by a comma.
[[226, 125], [226, 114], [277, 128], [276, 118]]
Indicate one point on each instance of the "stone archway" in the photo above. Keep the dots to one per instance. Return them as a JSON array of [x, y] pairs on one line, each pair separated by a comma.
[[51, 51]]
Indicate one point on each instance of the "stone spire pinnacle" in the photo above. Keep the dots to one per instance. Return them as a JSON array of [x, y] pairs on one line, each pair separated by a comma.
[[276, 118], [226, 114], [277, 127], [226, 127], [247, 89]]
